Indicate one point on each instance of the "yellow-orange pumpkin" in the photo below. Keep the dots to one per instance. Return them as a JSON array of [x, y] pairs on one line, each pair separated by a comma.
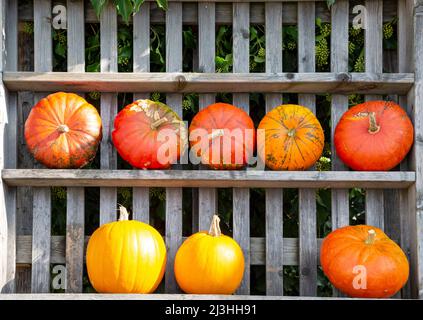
[[293, 137], [126, 256], [209, 262], [362, 261]]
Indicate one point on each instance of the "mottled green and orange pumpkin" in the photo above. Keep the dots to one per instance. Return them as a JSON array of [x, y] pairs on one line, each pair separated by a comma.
[[293, 138], [63, 131], [223, 136], [149, 135]]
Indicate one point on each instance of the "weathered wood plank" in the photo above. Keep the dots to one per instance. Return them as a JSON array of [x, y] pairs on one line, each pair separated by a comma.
[[173, 195], [241, 196], [374, 63], [207, 197], [108, 109], [41, 239], [416, 161], [75, 209], [274, 197], [41, 228], [223, 13], [8, 147], [339, 63], [341, 83], [307, 197], [405, 47], [257, 252], [208, 178], [141, 196]]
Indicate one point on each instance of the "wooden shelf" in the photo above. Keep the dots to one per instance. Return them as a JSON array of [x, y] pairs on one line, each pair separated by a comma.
[[342, 83], [208, 178]]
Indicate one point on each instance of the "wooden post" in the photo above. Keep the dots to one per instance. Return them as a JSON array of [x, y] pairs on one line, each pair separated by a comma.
[[241, 196], [274, 197], [174, 100], [416, 161]]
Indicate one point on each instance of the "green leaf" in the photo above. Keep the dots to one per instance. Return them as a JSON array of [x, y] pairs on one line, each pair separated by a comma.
[[137, 5], [60, 50], [162, 4], [98, 6], [124, 8], [318, 22], [330, 3], [259, 59]]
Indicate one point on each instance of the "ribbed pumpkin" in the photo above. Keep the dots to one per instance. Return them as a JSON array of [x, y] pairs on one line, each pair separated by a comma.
[[374, 136], [209, 263], [126, 256], [362, 261], [141, 132], [223, 136], [63, 131], [294, 138]]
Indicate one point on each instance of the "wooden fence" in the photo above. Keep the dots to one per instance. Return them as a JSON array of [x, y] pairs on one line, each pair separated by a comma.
[[393, 199]]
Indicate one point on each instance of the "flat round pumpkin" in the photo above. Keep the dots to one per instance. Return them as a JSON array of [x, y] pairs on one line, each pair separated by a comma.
[[63, 131], [373, 136], [149, 135], [363, 262], [294, 138], [223, 136]]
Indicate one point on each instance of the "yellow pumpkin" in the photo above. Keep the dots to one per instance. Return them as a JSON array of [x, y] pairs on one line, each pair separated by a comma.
[[126, 256], [209, 262]]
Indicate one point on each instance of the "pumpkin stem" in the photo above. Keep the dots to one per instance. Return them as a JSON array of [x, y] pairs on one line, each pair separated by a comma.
[[62, 128], [158, 123], [216, 133], [371, 237], [123, 213], [374, 127], [215, 227], [291, 132]]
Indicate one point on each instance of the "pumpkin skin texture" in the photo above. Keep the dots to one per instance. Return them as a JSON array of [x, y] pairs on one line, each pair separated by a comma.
[[63, 131], [137, 130], [215, 122], [386, 266], [294, 138], [380, 146], [126, 256], [209, 263]]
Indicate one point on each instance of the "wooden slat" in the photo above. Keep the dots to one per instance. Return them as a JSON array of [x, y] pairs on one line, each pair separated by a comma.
[[405, 47], [374, 63], [341, 83], [416, 191], [173, 195], [41, 228], [75, 209], [241, 196], [257, 252], [207, 197], [8, 125], [274, 197], [108, 158], [208, 178], [141, 196], [339, 63], [307, 197]]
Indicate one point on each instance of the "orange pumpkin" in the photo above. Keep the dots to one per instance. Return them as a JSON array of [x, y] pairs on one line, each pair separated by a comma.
[[373, 136], [223, 136], [149, 135], [126, 256], [293, 137], [362, 261], [63, 131], [209, 263]]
